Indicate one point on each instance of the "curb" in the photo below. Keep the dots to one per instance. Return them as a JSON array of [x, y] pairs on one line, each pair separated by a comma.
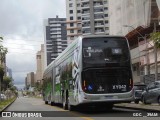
[[7, 106], [135, 108]]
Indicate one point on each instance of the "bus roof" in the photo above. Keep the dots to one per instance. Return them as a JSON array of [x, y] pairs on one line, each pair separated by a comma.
[[92, 36]]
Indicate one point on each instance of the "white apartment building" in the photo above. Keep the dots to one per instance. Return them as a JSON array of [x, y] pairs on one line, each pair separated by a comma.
[[86, 17], [73, 13]]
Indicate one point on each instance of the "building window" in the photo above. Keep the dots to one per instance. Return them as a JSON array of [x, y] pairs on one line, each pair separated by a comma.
[[106, 8], [78, 11], [79, 18], [78, 5], [71, 24], [106, 15], [72, 37], [71, 11], [79, 31], [71, 18], [71, 31], [106, 21], [70, 5], [105, 2], [107, 28]]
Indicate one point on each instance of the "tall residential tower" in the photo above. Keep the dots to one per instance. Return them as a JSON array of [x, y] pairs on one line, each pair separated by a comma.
[[86, 17], [55, 38]]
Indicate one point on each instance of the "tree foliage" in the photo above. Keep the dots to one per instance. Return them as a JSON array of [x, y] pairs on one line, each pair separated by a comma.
[[1, 38], [38, 86], [7, 82], [155, 37]]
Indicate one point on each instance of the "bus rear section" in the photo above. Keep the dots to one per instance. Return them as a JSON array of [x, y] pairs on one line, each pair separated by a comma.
[[106, 71]]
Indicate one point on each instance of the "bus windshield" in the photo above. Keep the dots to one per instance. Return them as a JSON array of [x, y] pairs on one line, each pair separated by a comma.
[[99, 51]]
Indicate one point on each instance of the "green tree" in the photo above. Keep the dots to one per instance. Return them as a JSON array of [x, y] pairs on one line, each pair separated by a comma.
[[1, 70], [155, 37], [1, 38], [38, 86], [7, 83]]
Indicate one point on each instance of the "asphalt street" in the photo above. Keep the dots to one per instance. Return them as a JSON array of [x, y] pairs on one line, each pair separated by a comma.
[[25, 104]]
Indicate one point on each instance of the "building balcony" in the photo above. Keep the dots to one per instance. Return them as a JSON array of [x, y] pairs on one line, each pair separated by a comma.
[[73, 21], [87, 26], [55, 25], [98, 4], [98, 10], [99, 24], [55, 33], [85, 18], [85, 12], [99, 31], [74, 28], [98, 18], [83, 6], [52, 29], [72, 34], [85, 1]]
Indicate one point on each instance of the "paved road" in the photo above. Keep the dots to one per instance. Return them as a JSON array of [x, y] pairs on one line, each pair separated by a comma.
[[33, 104]]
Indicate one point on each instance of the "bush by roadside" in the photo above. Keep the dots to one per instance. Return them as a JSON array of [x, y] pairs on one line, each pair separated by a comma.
[[5, 103]]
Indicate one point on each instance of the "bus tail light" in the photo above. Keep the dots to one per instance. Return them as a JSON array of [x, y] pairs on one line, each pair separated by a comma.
[[84, 85], [131, 83]]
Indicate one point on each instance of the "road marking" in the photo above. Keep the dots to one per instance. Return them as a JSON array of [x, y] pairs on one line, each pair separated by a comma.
[[72, 112]]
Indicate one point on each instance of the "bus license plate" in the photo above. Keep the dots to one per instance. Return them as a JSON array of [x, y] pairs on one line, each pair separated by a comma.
[[119, 87]]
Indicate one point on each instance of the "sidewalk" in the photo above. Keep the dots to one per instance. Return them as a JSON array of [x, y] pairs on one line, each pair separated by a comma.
[[141, 106]]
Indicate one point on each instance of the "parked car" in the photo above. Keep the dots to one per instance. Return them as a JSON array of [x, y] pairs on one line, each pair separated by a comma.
[[152, 93], [138, 90], [3, 97]]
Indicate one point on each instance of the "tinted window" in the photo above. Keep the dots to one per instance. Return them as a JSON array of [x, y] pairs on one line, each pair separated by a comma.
[[105, 50], [151, 86], [157, 84]]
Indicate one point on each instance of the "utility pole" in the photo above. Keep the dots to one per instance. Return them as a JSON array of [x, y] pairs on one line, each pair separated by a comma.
[[155, 56]]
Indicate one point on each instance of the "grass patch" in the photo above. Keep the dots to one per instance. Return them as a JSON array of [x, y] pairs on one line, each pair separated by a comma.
[[5, 103]]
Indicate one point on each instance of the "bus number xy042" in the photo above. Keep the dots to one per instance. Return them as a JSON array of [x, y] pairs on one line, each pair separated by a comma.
[[119, 87]]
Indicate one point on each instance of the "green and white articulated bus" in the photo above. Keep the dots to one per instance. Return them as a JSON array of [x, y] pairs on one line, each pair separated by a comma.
[[92, 70]]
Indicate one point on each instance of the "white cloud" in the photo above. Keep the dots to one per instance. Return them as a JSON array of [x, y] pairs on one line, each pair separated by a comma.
[[21, 22]]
